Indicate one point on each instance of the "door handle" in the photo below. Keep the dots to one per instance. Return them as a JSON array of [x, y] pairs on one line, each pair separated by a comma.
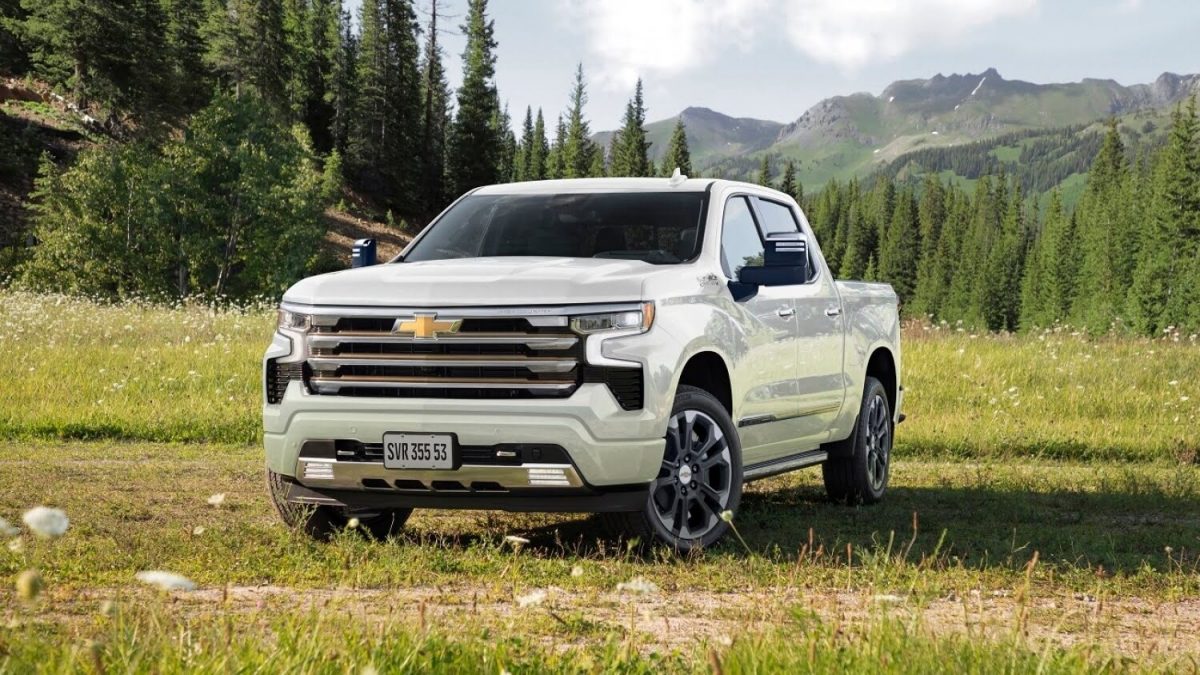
[[785, 312], [833, 312]]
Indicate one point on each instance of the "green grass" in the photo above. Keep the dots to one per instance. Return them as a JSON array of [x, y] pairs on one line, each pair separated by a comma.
[[1044, 506], [191, 374]]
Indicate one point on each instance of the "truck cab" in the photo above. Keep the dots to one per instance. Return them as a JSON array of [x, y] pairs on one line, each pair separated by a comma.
[[634, 347]]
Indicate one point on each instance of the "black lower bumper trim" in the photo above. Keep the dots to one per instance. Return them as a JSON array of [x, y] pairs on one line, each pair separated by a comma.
[[611, 499]]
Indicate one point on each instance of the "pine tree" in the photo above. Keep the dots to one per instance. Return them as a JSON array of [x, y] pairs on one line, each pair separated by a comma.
[[539, 150], [555, 161], [965, 296], [248, 47], [344, 87], [435, 110], [789, 186], [931, 214], [1105, 231], [1166, 283], [185, 44], [524, 148], [630, 149], [901, 247], [1047, 289], [677, 155], [599, 167], [947, 258], [577, 148], [764, 172], [474, 156], [506, 166], [322, 48], [1001, 283]]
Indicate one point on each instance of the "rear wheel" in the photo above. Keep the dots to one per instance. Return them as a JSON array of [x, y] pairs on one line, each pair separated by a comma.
[[860, 474], [699, 479], [322, 522]]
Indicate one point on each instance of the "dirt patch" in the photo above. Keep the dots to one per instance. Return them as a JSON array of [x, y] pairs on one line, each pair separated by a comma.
[[666, 621]]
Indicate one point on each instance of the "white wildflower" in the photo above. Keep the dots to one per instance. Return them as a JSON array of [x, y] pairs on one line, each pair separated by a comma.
[[167, 581], [7, 529], [198, 530], [532, 599], [890, 599], [727, 516], [577, 571], [353, 523], [637, 585], [217, 499], [515, 541], [46, 522], [1173, 383], [16, 546]]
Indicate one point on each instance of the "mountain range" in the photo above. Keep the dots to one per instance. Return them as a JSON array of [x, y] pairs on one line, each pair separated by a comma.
[[860, 133]]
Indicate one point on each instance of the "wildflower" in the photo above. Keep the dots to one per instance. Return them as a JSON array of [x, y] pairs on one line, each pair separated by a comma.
[[727, 516], [890, 599], [198, 530], [1185, 399], [577, 571], [29, 584], [532, 599], [108, 608], [46, 522], [167, 581], [637, 585], [1173, 383], [515, 541], [353, 523], [217, 499], [8, 530], [16, 546]]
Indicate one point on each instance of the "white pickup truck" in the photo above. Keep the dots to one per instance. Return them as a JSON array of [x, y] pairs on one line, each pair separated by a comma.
[[633, 347]]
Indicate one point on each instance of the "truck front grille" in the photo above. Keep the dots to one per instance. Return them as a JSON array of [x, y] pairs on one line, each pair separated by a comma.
[[455, 354]]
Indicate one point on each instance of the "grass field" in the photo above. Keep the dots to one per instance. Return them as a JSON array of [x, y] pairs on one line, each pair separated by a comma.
[[1044, 514]]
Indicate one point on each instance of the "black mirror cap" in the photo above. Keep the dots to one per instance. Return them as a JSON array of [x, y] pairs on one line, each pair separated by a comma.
[[363, 253]]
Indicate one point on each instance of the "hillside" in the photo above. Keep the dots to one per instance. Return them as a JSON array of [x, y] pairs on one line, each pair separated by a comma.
[[859, 133], [34, 121], [712, 136]]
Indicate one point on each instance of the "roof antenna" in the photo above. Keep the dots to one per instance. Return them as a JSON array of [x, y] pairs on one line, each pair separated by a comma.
[[677, 178]]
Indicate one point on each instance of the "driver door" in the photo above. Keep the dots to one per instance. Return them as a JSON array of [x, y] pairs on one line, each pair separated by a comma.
[[768, 400]]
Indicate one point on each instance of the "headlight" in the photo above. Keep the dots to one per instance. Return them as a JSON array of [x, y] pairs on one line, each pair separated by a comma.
[[294, 321], [638, 320]]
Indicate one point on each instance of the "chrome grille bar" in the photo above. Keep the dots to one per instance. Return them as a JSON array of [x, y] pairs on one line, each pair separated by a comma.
[[332, 385], [533, 341], [532, 364]]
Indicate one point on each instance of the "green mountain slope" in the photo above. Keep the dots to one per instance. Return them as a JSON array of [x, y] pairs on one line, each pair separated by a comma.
[[856, 134]]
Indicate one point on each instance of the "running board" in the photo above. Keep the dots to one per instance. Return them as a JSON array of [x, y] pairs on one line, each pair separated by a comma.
[[780, 465]]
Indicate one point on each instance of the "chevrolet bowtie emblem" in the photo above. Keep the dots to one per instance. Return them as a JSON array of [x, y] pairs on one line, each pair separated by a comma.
[[426, 326]]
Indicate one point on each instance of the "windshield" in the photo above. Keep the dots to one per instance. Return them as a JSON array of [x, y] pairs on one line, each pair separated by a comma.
[[656, 227]]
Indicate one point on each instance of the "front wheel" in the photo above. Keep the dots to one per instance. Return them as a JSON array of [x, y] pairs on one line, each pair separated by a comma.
[[860, 474], [700, 477]]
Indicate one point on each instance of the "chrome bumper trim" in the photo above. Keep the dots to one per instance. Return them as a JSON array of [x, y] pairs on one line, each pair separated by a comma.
[[320, 472]]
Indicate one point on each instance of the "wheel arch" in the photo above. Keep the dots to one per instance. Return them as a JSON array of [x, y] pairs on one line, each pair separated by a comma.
[[882, 366], [708, 370]]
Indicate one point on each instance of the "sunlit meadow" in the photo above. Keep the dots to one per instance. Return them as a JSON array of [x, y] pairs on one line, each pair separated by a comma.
[[1044, 513]]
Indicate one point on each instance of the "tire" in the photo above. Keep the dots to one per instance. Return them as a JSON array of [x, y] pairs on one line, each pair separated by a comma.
[[686, 500], [322, 522], [860, 475]]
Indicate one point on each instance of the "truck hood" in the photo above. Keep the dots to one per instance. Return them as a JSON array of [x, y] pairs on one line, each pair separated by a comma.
[[476, 282]]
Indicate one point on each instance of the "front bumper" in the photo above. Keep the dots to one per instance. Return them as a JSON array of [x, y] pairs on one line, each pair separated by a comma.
[[606, 445]]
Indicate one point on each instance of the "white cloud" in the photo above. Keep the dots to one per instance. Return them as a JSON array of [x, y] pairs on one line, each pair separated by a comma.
[[854, 33], [661, 38], [651, 38]]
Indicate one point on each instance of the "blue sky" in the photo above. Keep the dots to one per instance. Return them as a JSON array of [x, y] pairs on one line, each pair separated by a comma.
[[773, 59]]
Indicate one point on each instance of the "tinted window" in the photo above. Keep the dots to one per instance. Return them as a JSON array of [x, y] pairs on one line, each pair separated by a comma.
[[776, 217], [655, 227], [741, 244]]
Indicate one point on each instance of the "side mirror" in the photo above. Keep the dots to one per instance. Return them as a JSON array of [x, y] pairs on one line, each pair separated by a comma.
[[785, 262], [363, 253]]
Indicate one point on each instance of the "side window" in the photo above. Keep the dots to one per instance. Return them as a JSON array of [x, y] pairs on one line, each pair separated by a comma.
[[741, 243], [778, 217]]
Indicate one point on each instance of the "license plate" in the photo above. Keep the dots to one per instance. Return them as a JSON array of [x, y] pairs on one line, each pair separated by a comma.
[[418, 451]]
